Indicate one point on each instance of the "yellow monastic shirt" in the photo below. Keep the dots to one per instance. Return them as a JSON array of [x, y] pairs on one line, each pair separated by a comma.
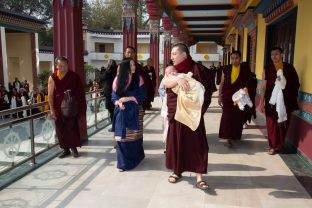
[[235, 73], [46, 106], [279, 66], [39, 101], [58, 74]]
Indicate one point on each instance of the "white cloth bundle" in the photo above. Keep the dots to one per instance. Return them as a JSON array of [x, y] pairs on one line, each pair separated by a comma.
[[277, 97], [189, 103], [164, 114], [13, 102], [24, 103], [6, 99], [241, 98]]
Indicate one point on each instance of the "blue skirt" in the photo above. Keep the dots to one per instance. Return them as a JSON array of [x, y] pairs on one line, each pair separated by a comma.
[[130, 151], [129, 154]]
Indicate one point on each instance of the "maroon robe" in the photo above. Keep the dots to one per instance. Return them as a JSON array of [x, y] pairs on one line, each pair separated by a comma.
[[233, 119], [219, 75], [147, 83], [152, 81], [187, 150], [67, 129], [277, 132]]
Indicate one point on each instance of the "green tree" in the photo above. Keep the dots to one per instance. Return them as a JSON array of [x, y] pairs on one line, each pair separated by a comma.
[[41, 9], [45, 37], [107, 14], [142, 15], [43, 77], [37, 8], [88, 69]]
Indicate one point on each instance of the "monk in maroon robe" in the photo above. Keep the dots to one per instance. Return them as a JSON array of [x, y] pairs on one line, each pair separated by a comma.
[[150, 71], [277, 131], [187, 150], [235, 76], [67, 129], [219, 74]]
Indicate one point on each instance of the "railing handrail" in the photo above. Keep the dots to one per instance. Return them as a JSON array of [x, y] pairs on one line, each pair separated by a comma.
[[20, 120], [19, 109], [36, 105]]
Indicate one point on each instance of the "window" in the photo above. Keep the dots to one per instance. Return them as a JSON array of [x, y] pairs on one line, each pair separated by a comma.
[[104, 47], [283, 34]]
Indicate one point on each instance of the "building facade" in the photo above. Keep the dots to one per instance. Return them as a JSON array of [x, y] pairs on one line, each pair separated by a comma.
[[19, 47], [100, 45], [283, 23]]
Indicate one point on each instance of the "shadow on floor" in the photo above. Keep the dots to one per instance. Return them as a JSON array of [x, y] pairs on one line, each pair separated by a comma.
[[278, 182]]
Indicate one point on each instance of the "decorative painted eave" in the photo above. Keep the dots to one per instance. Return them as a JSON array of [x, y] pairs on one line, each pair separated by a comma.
[[15, 21], [244, 16], [175, 31], [72, 2], [162, 5], [47, 50], [166, 22], [111, 32]]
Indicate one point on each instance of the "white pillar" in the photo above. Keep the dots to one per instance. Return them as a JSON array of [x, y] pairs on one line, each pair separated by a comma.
[[52, 65], [4, 58], [37, 53]]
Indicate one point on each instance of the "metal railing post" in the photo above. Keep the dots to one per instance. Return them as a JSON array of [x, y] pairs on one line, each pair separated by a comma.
[[96, 110], [32, 141]]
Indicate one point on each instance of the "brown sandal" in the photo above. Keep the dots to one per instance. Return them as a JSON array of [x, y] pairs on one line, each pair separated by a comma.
[[173, 178], [203, 185], [271, 151], [228, 144]]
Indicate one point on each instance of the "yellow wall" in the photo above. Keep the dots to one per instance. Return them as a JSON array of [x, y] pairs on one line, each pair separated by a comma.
[[303, 45], [261, 30], [245, 38], [19, 56]]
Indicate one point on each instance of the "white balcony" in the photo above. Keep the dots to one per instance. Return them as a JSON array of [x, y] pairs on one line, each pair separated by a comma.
[[46, 57], [206, 57], [104, 56]]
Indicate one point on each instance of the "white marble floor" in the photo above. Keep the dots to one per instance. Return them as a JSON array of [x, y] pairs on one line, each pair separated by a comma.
[[244, 176]]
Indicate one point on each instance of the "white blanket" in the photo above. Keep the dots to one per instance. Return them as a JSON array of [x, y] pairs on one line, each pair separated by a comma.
[[241, 98], [277, 97]]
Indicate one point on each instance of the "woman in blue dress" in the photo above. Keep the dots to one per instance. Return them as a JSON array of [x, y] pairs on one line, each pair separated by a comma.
[[128, 96]]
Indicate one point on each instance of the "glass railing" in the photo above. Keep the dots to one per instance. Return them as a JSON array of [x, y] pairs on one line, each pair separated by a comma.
[[22, 139], [97, 114]]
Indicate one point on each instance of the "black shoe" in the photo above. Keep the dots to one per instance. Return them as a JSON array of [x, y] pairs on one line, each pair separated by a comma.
[[64, 154], [75, 152]]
